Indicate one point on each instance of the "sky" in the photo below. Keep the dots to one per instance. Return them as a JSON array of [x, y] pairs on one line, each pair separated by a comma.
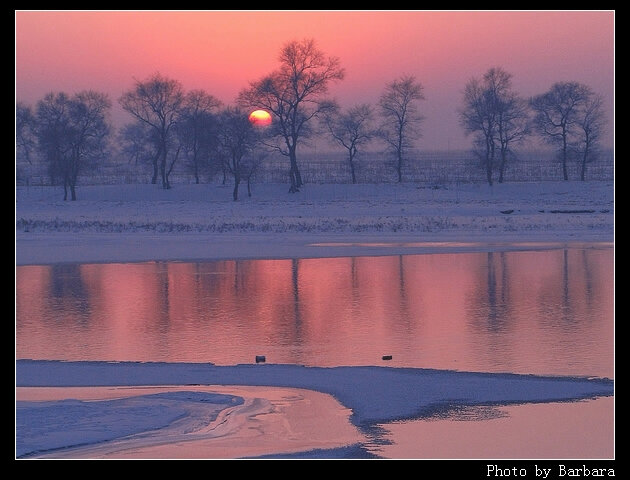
[[222, 51]]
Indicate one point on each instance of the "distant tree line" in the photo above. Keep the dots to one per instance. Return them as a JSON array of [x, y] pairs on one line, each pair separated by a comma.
[[170, 125], [569, 116]]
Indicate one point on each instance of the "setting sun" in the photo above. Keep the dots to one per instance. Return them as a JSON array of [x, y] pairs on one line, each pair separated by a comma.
[[260, 118], [317, 234]]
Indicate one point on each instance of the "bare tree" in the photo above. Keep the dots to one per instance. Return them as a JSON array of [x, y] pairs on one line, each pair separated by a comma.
[[72, 132], [477, 118], [513, 127], [591, 125], [139, 144], [557, 114], [350, 129], [495, 115], [401, 118], [251, 165], [24, 130], [156, 102], [52, 131], [294, 95], [237, 139], [512, 116], [197, 129], [174, 147]]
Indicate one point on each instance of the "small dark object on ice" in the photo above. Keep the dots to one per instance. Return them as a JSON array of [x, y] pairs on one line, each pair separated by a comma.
[[507, 212], [601, 211], [260, 359], [387, 357]]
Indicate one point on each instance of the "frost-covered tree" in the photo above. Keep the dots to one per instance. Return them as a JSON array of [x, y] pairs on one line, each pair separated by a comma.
[[71, 133], [352, 129], [513, 126], [237, 139], [557, 114], [197, 130], [294, 95], [24, 131], [496, 116], [591, 126], [156, 102], [251, 164], [400, 128]]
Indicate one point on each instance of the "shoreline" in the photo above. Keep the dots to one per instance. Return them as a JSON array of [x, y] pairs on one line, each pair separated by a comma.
[[137, 222], [291, 403], [297, 419], [60, 247]]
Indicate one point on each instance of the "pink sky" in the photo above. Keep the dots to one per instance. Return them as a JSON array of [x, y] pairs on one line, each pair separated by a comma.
[[221, 51]]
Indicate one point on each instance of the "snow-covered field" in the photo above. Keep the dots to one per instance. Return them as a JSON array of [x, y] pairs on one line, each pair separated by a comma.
[[191, 222], [122, 223]]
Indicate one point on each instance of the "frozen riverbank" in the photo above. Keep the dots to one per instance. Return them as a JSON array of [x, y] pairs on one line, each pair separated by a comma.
[[123, 223], [134, 223], [177, 422], [373, 394]]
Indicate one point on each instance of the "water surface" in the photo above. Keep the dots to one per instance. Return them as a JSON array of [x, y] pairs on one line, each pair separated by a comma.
[[542, 312]]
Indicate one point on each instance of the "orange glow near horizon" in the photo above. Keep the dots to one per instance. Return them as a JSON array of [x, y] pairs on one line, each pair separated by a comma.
[[222, 51]]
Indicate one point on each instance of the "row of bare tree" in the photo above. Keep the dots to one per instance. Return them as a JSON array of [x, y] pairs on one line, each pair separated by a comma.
[[171, 125], [71, 133], [569, 116]]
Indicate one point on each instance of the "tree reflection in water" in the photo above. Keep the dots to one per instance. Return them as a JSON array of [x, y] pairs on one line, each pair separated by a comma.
[[527, 312]]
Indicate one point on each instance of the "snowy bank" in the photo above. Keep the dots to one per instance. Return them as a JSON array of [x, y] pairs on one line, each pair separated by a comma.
[[122, 223], [178, 422], [374, 393]]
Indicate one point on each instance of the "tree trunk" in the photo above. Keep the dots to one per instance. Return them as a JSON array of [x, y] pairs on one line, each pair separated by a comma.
[[196, 172], [73, 193], [296, 178], [399, 166], [163, 171], [489, 160], [294, 173], [293, 188], [65, 190], [249, 186], [502, 166], [155, 170], [170, 167], [564, 159], [564, 167], [237, 181], [163, 174], [583, 169], [350, 160]]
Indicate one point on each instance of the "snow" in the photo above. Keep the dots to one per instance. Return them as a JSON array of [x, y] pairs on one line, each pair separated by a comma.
[[45, 426], [374, 395], [124, 223], [128, 223]]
